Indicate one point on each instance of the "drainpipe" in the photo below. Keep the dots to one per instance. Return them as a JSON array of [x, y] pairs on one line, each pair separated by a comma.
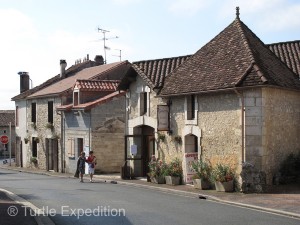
[[90, 130], [62, 139], [241, 96]]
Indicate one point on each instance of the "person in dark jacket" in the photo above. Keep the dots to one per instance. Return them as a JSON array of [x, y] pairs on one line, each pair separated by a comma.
[[81, 165]]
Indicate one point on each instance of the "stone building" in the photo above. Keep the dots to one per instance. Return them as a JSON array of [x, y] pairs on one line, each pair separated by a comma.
[[39, 129], [142, 84], [95, 121], [233, 101], [7, 123], [238, 100]]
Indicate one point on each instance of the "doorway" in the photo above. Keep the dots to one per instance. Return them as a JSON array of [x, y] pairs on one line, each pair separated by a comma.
[[52, 154], [139, 148]]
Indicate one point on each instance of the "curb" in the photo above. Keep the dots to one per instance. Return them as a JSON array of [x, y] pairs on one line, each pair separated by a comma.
[[41, 219], [173, 191]]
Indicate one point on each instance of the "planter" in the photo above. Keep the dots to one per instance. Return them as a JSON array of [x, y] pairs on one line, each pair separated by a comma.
[[224, 186], [170, 180], [201, 184], [158, 180]]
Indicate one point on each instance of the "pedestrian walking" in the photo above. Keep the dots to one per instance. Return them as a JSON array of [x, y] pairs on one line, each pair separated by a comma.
[[81, 165], [92, 161]]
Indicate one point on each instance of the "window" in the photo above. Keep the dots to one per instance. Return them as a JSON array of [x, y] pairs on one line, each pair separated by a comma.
[[79, 145], [143, 103], [191, 107], [33, 112], [70, 148], [17, 116], [34, 147], [76, 95], [50, 112]]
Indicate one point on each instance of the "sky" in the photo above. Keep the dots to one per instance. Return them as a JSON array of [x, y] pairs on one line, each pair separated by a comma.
[[37, 34]]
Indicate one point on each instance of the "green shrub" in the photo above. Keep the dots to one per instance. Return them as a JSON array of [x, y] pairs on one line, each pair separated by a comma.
[[290, 168]]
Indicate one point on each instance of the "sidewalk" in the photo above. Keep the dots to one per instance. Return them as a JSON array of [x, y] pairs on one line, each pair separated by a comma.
[[284, 199]]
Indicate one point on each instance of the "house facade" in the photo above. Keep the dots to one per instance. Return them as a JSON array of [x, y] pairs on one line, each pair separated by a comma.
[[141, 86], [235, 101], [7, 128], [95, 121], [244, 103], [38, 125]]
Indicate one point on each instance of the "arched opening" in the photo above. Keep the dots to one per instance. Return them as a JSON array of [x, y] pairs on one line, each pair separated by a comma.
[[139, 148], [191, 154], [191, 143]]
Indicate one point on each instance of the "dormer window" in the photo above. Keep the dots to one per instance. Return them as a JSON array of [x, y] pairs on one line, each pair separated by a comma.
[[76, 98], [191, 110]]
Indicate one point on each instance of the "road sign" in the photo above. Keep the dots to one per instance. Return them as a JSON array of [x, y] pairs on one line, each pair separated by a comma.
[[4, 139]]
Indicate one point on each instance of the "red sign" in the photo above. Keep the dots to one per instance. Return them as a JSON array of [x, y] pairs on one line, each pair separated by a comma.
[[4, 139]]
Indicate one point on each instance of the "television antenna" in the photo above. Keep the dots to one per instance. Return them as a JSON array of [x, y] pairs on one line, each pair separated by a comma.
[[104, 39], [120, 54]]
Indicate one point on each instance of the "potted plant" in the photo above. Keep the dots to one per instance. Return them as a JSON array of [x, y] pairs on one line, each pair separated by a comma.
[[178, 139], [223, 176], [157, 169], [33, 160], [173, 172], [26, 140], [161, 137], [201, 179], [50, 126]]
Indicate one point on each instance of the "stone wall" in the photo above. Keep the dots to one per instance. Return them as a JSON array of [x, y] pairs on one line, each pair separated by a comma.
[[218, 128], [281, 110], [41, 131], [108, 129], [76, 127]]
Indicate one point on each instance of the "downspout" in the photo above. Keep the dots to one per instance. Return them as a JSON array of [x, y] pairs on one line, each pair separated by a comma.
[[62, 139], [90, 130], [241, 96]]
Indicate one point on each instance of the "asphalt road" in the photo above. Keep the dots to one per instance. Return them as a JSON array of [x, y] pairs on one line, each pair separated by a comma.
[[67, 201]]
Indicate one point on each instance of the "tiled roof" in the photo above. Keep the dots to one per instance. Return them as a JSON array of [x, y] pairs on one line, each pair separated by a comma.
[[289, 53], [89, 105], [156, 70], [153, 71], [97, 85], [7, 116], [69, 72], [234, 58], [102, 72]]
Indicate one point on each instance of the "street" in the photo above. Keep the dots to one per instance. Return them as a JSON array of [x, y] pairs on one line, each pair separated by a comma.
[[67, 201]]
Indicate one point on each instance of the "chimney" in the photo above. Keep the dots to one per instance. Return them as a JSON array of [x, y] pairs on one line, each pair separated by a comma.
[[99, 60], [63, 65], [24, 81]]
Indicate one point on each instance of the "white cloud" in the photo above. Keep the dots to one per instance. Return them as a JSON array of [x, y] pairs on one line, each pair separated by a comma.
[[188, 7]]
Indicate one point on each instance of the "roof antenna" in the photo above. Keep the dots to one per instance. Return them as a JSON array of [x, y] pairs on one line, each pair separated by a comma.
[[237, 12]]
